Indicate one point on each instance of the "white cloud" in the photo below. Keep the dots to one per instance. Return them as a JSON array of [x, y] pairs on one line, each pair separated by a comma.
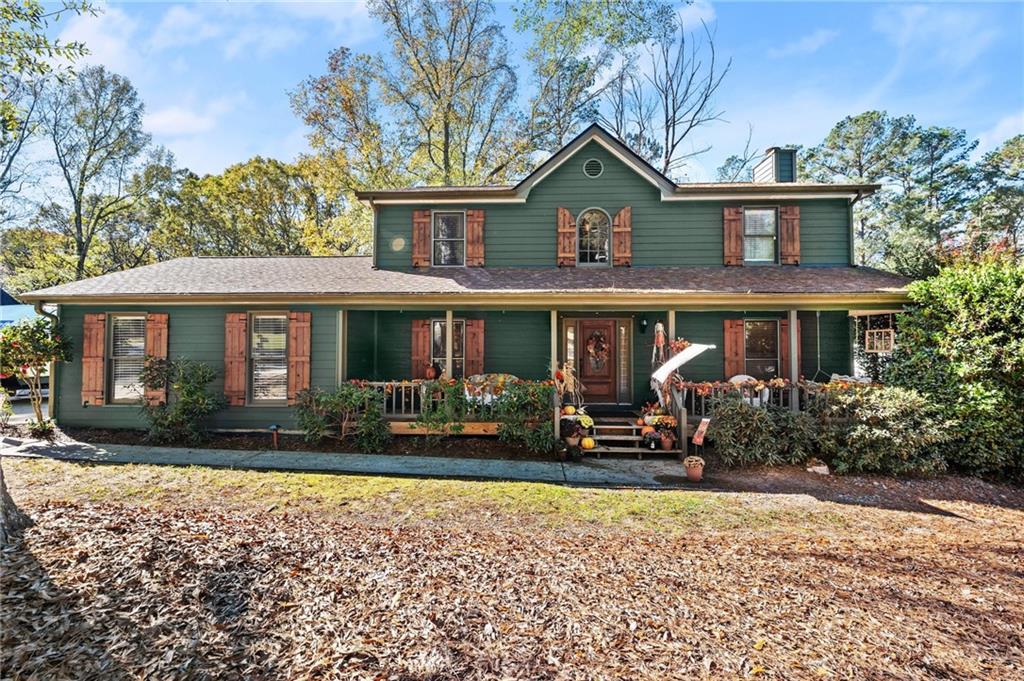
[[181, 26], [261, 40], [180, 120], [692, 14], [809, 44], [110, 37], [1005, 128], [949, 35]]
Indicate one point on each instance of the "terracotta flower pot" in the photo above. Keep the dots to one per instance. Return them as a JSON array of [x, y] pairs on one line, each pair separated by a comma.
[[573, 441], [667, 441], [694, 473]]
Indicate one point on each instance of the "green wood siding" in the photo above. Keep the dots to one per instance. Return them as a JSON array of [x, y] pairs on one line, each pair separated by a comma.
[[707, 327], [197, 333], [516, 343], [664, 233]]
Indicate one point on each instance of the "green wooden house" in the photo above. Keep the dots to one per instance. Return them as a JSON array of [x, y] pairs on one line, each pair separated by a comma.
[[581, 261]]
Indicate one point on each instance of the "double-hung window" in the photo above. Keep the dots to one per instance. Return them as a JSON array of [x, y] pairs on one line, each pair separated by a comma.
[[127, 350], [268, 357], [760, 230], [449, 239], [761, 348], [438, 339]]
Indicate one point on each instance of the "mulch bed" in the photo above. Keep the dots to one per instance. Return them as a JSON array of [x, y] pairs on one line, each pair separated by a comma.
[[458, 446], [113, 591]]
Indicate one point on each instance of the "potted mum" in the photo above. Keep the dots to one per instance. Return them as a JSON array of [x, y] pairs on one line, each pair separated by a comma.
[[573, 432], [694, 468]]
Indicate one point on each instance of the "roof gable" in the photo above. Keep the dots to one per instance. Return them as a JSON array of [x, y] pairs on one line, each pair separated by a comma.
[[595, 133]]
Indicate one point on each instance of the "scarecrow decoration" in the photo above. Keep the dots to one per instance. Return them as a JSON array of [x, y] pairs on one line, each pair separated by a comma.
[[659, 353], [568, 386]]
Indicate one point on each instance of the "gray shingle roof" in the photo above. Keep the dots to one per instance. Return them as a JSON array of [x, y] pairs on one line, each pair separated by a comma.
[[345, 276]]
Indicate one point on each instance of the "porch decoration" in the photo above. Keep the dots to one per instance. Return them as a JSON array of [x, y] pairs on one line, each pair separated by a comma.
[[694, 466], [568, 386], [587, 443], [659, 352], [597, 350]]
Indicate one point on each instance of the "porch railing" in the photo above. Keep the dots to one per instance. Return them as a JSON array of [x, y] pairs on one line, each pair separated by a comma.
[[405, 400], [698, 398]]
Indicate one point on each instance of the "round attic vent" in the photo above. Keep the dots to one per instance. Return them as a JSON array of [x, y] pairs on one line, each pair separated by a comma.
[[592, 167]]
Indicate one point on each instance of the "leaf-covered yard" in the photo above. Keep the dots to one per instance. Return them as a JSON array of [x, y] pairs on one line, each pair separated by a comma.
[[134, 571]]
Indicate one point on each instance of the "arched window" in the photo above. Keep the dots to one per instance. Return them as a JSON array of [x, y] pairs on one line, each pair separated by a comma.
[[594, 231]]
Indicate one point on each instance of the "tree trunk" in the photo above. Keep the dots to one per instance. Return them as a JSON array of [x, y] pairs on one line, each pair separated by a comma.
[[12, 520]]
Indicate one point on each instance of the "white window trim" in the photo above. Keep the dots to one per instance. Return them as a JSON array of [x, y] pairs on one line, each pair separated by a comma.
[[433, 239], [108, 373], [249, 378], [778, 344], [775, 237], [608, 262], [440, 360]]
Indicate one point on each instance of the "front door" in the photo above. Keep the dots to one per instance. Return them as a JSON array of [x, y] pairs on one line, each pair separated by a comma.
[[596, 351]]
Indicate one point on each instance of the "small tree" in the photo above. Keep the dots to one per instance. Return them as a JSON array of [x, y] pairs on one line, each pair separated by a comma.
[[182, 418], [26, 350]]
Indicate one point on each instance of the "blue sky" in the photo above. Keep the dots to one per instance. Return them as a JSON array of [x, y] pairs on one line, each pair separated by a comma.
[[215, 76]]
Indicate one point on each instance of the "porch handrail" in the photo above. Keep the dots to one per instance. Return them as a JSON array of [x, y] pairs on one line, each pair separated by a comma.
[[697, 397]]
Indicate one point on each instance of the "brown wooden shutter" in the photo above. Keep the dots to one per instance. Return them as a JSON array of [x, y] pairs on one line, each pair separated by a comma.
[[236, 329], [420, 347], [94, 353], [474, 238], [299, 335], [566, 238], [622, 237], [156, 347], [732, 233], [421, 238], [733, 348], [789, 235], [784, 349], [474, 347]]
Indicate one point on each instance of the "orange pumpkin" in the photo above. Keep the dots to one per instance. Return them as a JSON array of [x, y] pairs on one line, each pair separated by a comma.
[[587, 443], [568, 410], [640, 422], [646, 429]]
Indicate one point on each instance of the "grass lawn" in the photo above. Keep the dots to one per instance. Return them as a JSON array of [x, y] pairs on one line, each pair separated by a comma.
[[164, 572]]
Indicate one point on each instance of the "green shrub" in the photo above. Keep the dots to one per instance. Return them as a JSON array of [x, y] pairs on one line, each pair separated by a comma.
[[349, 410], [6, 410], [870, 429], [445, 408], [182, 418], [525, 412], [962, 346], [744, 434]]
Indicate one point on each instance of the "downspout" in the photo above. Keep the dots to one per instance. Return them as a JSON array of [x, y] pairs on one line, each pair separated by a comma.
[[373, 234], [51, 400]]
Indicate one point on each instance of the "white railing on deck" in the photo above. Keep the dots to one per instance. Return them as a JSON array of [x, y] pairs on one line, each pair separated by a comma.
[[399, 399], [698, 398]]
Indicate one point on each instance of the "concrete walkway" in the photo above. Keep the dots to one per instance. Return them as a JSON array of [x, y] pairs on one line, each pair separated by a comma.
[[657, 473]]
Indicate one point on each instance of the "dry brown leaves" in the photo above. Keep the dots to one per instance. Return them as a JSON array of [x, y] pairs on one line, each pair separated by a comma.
[[110, 591]]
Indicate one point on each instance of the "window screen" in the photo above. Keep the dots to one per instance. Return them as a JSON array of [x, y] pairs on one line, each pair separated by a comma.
[[268, 351], [449, 239], [761, 348], [759, 229], [437, 346], [127, 355]]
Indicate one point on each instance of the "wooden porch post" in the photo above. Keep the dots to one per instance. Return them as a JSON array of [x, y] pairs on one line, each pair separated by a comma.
[[671, 325], [554, 368], [449, 335], [794, 367]]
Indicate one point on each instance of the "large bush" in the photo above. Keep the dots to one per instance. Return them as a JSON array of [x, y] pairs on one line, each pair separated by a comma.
[[183, 417], [870, 429], [26, 349], [349, 410], [524, 412], [962, 347], [745, 434]]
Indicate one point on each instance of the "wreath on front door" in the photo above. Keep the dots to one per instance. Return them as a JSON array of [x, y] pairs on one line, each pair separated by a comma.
[[597, 350]]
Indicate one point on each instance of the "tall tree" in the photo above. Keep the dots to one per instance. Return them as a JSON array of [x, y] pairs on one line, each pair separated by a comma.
[[936, 181], [863, 149], [659, 111], [94, 122], [740, 167], [997, 214], [27, 57]]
